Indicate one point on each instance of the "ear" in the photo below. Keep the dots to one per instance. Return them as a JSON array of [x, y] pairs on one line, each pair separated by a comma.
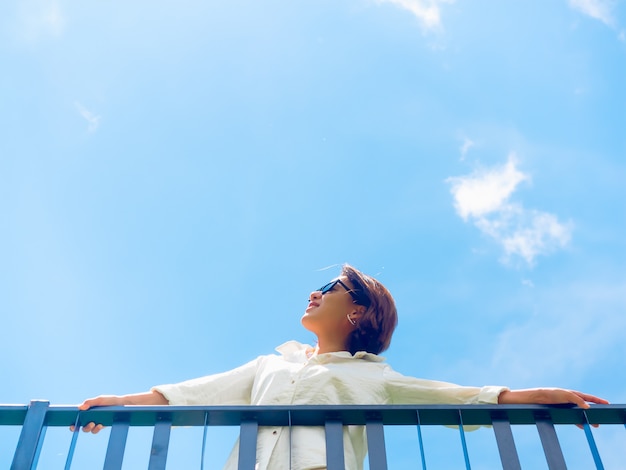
[[358, 310]]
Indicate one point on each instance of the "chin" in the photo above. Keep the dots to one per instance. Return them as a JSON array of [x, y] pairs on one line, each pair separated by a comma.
[[305, 321]]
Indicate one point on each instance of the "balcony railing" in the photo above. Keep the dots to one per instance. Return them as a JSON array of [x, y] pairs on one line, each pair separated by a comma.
[[39, 415]]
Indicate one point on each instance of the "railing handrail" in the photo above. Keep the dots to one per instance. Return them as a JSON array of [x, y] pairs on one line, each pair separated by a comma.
[[316, 415]]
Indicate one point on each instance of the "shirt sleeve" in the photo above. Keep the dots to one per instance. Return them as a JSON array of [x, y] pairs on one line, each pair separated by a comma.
[[407, 390], [228, 388]]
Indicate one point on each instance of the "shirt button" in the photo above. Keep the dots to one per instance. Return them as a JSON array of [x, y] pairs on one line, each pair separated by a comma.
[[274, 432]]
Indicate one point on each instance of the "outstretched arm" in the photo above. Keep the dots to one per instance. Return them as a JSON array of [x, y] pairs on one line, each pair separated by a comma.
[[545, 396], [147, 398]]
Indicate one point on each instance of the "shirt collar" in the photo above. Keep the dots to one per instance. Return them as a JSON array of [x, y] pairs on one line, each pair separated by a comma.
[[293, 350]]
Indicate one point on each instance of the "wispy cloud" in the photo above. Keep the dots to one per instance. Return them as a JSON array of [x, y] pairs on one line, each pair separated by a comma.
[[599, 9], [38, 19], [483, 197], [93, 120], [564, 339], [428, 12], [467, 144], [568, 330]]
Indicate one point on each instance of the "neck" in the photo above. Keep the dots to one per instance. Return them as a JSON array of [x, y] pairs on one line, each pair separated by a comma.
[[328, 345]]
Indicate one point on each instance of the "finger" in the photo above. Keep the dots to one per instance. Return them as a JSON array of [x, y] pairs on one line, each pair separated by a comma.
[[97, 429], [592, 398], [85, 405], [91, 402], [576, 399], [89, 427], [102, 400]]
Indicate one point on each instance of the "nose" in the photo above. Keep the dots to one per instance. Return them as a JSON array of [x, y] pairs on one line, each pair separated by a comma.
[[315, 295]]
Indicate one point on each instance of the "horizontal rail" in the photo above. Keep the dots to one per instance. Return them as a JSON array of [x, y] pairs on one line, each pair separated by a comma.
[[316, 415], [39, 415]]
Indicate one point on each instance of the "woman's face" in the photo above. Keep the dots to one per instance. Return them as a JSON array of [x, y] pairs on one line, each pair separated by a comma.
[[327, 313]]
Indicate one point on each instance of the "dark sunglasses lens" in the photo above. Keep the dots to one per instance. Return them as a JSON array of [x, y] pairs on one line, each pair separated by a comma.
[[328, 287]]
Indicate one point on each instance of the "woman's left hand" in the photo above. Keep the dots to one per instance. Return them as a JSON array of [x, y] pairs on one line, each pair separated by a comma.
[[546, 396]]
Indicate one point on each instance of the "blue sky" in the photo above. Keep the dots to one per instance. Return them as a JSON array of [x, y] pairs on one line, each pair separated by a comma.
[[175, 178]]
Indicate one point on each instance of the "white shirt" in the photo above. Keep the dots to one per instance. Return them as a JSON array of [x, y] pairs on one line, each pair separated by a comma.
[[294, 378]]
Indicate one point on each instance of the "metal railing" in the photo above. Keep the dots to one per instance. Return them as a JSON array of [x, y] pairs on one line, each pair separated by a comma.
[[35, 418]]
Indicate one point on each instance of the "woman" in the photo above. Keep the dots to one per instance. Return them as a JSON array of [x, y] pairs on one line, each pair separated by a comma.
[[353, 317]]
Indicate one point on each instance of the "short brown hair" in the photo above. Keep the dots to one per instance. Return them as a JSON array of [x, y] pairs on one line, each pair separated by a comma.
[[375, 326]]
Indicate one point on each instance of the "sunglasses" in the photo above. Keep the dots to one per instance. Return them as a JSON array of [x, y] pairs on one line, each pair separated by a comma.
[[358, 299]]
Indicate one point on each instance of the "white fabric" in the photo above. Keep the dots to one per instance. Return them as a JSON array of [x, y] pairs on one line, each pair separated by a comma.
[[333, 378]]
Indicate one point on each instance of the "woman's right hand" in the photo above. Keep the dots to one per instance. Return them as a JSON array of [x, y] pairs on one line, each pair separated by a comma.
[[147, 398], [102, 400]]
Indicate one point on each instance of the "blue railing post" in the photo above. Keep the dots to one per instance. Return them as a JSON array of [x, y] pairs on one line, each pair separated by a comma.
[[463, 443], [160, 442], [204, 434], [334, 444], [376, 441], [420, 440], [117, 442], [550, 442], [31, 437], [506, 444], [70, 452], [248, 432], [592, 444]]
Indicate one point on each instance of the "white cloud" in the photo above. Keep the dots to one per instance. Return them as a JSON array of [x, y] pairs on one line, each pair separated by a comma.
[[598, 9], [484, 192], [525, 232], [92, 119], [483, 197], [428, 12]]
